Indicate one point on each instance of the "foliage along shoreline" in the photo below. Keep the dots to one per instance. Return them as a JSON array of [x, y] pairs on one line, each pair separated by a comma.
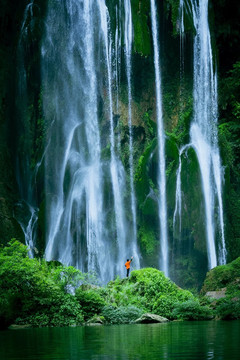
[[37, 293]]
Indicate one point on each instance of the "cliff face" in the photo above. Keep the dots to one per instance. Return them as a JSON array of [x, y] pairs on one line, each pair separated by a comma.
[[226, 28], [10, 23], [23, 138]]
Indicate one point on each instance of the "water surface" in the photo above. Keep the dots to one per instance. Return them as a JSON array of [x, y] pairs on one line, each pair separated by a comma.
[[218, 340]]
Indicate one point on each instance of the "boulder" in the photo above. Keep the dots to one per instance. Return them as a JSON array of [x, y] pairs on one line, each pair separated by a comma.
[[150, 319], [95, 320], [217, 294], [19, 327]]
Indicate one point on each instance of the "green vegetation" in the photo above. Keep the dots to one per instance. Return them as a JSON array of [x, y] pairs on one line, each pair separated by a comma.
[[229, 135], [225, 278], [142, 38], [92, 301], [30, 292], [35, 292], [228, 309], [121, 314], [192, 310], [148, 240]]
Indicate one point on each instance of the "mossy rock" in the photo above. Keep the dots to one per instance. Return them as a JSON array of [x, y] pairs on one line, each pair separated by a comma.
[[223, 276], [142, 172], [148, 241], [140, 18], [193, 213]]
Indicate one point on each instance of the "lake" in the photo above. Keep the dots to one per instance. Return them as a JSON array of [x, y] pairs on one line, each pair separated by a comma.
[[218, 340]]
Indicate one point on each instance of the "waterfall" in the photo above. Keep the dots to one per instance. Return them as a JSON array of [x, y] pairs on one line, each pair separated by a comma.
[[161, 146], [178, 198], [178, 195], [128, 39], [117, 58], [74, 176], [203, 130], [117, 53], [77, 70], [116, 168]]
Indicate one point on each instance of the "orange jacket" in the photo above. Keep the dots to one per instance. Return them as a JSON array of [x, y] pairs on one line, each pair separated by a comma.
[[127, 264]]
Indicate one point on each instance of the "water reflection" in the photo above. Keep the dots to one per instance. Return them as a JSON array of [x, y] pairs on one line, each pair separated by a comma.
[[216, 340]]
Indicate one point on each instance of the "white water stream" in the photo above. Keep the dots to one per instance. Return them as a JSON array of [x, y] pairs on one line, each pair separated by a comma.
[[203, 130], [128, 40], [74, 175], [161, 148], [78, 229]]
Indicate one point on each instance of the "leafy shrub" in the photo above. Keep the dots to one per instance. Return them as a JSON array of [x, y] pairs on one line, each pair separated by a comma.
[[121, 315], [21, 282], [164, 306], [30, 292], [70, 278], [59, 309], [91, 302], [36, 320], [228, 309], [222, 276], [147, 289], [191, 310], [155, 288]]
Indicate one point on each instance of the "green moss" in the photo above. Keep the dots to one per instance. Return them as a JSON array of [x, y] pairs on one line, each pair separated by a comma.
[[171, 148], [149, 206], [190, 265], [148, 241], [140, 18], [106, 153], [172, 8], [182, 117], [151, 125], [141, 175], [229, 135]]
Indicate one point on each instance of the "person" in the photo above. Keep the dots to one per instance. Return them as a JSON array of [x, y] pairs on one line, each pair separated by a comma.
[[127, 265]]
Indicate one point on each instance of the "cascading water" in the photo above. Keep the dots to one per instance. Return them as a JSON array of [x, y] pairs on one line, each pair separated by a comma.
[[178, 196], [117, 53], [116, 168], [74, 177], [161, 148], [128, 39], [203, 130], [76, 59], [117, 58]]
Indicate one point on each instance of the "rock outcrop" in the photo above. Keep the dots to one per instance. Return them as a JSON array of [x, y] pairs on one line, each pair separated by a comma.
[[148, 318]]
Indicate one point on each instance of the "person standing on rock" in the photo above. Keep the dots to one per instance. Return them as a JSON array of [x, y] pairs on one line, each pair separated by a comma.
[[127, 265]]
